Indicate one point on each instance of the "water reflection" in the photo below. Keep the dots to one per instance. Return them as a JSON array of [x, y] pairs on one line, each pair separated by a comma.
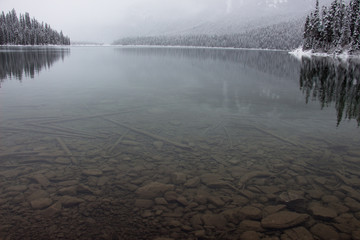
[[333, 81], [271, 62], [18, 62]]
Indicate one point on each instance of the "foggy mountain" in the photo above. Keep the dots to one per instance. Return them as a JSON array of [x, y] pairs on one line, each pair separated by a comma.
[[225, 17]]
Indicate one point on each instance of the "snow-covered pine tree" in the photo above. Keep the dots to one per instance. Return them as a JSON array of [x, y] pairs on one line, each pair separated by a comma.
[[355, 39], [345, 30], [24, 30], [316, 28], [354, 10], [307, 34]]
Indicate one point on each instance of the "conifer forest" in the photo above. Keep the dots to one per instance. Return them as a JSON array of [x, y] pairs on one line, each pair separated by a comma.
[[24, 30], [333, 28]]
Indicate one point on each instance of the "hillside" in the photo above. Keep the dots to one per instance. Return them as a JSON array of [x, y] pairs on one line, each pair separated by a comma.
[[285, 35]]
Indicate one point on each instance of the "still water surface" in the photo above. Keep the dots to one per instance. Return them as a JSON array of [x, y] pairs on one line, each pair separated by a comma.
[[140, 143]]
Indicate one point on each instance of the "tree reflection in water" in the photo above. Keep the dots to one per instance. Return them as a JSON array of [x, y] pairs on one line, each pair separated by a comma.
[[333, 81], [19, 62]]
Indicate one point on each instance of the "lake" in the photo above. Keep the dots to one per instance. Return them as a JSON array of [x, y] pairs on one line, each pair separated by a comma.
[[177, 143]]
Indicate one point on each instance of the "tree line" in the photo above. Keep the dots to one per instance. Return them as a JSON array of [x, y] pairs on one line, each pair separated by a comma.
[[24, 30], [286, 35], [335, 28]]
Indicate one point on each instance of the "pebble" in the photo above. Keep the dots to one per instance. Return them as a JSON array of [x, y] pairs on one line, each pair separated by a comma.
[[192, 183], [213, 181], [250, 212], [250, 225], [250, 235], [18, 188], [178, 178], [171, 196], [215, 220], [273, 209], [299, 233], [217, 201], [352, 204], [356, 235], [143, 203], [161, 201], [321, 212], [158, 145], [92, 172], [69, 201], [41, 203], [38, 194], [325, 232], [283, 219], [68, 191], [153, 190]]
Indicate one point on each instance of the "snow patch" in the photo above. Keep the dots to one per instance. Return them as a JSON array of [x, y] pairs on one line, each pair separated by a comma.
[[299, 53]]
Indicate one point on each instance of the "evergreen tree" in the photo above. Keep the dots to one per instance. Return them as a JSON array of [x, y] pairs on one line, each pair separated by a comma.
[[355, 41], [26, 31], [345, 31], [307, 34], [337, 28]]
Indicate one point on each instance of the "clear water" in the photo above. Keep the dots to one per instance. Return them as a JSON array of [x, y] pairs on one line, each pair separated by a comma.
[[140, 143]]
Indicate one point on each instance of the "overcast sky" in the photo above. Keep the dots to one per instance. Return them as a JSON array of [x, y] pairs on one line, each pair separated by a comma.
[[107, 20]]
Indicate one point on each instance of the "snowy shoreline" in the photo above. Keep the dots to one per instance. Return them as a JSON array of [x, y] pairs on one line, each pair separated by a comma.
[[299, 53], [199, 47]]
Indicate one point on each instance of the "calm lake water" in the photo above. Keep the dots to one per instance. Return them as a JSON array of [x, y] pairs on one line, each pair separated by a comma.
[[173, 143]]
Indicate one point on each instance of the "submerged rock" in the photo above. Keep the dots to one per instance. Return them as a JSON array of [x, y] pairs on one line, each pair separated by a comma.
[[52, 210], [322, 212], [178, 178], [153, 189], [41, 179], [192, 183], [143, 203], [217, 201], [18, 188], [299, 233], [68, 201], [325, 232], [283, 219], [293, 199], [38, 194], [213, 181], [250, 235], [41, 203], [250, 225], [92, 172], [215, 220], [250, 212]]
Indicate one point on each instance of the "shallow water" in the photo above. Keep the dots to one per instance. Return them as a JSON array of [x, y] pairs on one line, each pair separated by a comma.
[[140, 143]]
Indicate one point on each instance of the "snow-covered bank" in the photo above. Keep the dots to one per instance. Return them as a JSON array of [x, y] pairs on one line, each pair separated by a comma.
[[299, 53], [197, 47]]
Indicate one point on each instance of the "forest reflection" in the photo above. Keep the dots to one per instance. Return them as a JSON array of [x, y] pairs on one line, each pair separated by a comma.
[[331, 81], [277, 63], [25, 62]]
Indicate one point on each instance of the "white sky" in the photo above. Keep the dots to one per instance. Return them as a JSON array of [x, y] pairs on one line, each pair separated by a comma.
[[107, 20]]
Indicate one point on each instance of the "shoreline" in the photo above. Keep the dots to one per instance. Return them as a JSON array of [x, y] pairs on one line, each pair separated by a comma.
[[299, 53]]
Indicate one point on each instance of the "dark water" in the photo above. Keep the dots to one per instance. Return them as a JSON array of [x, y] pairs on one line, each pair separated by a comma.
[[143, 143]]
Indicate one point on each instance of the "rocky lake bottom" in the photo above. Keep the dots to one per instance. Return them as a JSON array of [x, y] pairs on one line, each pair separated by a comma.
[[104, 176]]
